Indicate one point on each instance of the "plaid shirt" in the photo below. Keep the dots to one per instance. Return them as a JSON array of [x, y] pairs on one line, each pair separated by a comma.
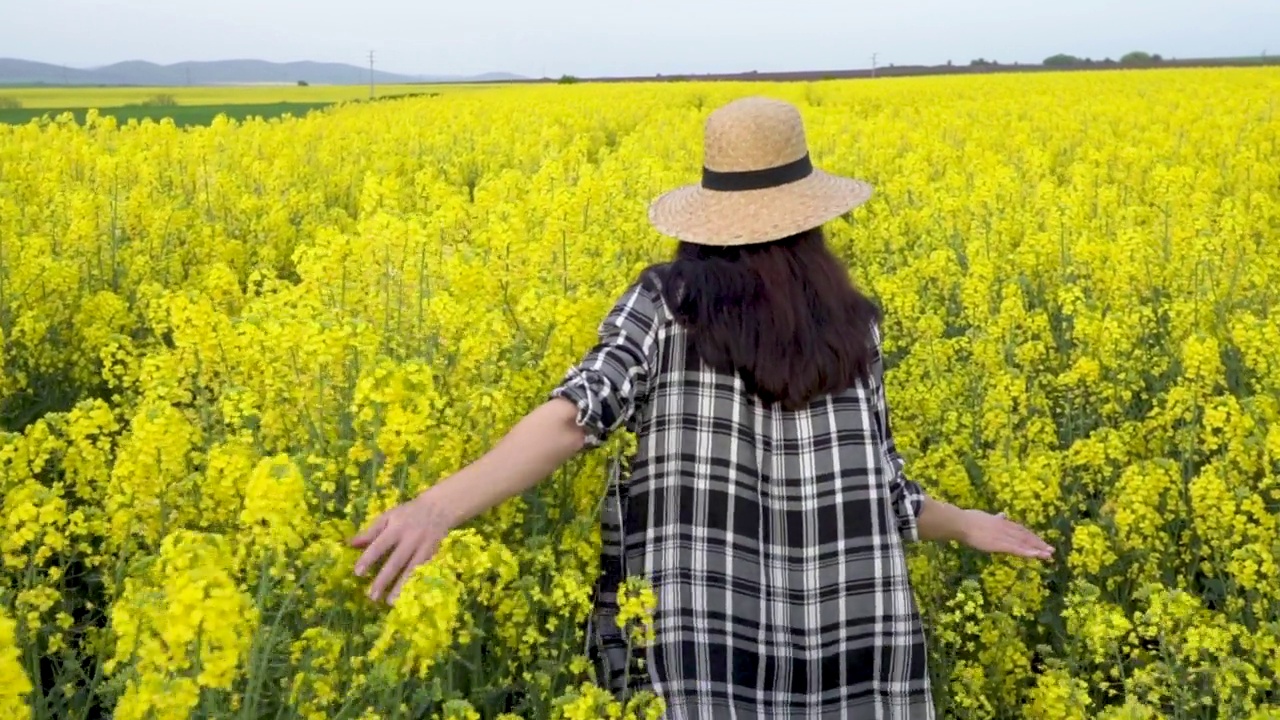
[[774, 540]]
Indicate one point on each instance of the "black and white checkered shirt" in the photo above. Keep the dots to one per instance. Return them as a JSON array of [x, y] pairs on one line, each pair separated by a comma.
[[773, 539]]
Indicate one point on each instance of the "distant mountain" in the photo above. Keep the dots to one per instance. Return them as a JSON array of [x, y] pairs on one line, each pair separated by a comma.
[[22, 72], [221, 72]]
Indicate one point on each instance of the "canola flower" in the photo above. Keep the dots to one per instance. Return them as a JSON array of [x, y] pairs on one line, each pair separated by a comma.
[[222, 349], [14, 683], [183, 629], [636, 605]]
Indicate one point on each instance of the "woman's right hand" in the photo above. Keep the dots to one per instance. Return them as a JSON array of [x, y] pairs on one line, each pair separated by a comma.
[[402, 538], [998, 534]]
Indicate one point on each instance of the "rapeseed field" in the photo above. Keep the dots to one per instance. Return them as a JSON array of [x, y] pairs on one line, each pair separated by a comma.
[[224, 348]]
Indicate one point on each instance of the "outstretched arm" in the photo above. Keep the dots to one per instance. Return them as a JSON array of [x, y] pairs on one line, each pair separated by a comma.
[[979, 530], [597, 397], [539, 444], [410, 533]]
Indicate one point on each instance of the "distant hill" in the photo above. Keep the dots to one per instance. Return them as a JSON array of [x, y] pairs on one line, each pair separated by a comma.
[[221, 72]]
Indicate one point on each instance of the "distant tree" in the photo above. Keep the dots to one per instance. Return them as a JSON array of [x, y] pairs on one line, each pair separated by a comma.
[[1062, 60], [948, 63], [567, 80], [1156, 58], [303, 83], [10, 103], [1136, 57]]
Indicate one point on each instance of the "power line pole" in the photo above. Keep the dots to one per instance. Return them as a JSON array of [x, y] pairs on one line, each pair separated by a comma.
[[370, 74], [873, 64]]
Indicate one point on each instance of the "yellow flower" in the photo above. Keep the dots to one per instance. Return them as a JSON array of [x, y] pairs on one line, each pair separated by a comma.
[[318, 655], [182, 626], [460, 710], [275, 516], [1130, 710], [636, 605], [420, 629], [1091, 550], [14, 683], [1059, 696]]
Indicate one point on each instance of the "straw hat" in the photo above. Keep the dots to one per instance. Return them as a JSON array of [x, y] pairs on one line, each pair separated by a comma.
[[758, 183]]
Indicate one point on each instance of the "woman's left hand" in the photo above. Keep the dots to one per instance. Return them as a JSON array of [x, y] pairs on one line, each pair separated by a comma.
[[408, 535], [998, 534]]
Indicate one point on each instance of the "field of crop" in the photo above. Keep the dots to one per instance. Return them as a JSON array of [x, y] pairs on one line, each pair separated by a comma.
[[110, 97], [195, 105], [180, 115], [223, 349]]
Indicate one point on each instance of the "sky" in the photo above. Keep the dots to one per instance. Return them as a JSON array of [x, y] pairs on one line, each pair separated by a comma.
[[628, 37]]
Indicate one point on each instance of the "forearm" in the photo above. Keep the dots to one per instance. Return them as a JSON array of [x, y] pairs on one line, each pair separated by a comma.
[[942, 521], [541, 442]]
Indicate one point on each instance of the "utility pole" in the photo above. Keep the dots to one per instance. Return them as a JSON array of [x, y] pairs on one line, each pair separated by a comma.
[[370, 74], [873, 64]]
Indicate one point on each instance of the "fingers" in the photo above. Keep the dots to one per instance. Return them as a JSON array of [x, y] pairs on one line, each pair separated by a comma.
[[392, 567], [1030, 550], [1012, 538], [364, 538], [385, 540], [424, 553], [1035, 543], [1026, 543], [1014, 545], [1040, 545]]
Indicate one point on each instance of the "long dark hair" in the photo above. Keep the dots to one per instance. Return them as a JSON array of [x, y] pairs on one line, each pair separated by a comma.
[[783, 315]]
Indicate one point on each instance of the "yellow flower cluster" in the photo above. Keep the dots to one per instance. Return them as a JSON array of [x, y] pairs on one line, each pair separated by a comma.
[[592, 703], [183, 627], [224, 349], [636, 605], [14, 683]]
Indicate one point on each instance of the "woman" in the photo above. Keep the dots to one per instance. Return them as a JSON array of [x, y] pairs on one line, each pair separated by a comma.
[[766, 502]]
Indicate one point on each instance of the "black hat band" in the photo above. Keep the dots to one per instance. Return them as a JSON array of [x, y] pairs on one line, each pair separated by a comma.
[[757, 179]]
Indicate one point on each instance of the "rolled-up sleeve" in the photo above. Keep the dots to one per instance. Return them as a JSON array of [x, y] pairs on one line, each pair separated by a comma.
[[613, 377], [906, 496]]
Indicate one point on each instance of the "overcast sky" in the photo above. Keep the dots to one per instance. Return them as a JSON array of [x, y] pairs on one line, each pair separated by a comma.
[[616, 37]]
